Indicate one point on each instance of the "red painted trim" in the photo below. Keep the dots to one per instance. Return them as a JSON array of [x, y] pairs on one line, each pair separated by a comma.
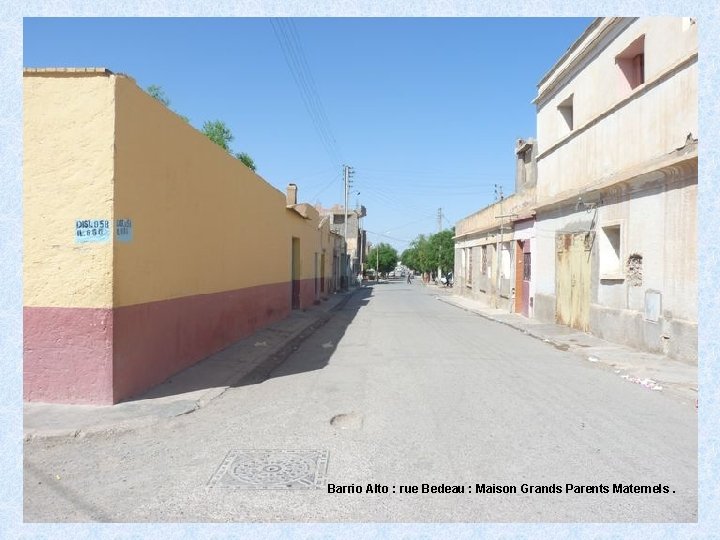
[[102, 356], [67, 355], [307, 293], [158, 339]]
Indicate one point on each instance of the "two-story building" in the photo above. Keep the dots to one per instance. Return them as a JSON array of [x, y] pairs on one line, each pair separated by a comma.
[[617, 129], [601, 232], [356, 237]]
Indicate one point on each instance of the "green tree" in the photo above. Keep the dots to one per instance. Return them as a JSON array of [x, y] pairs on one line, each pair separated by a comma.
[[425, 254], [218, 133], [384, 256], [247, 160], [418, 255], [443, 244], [158, 93]]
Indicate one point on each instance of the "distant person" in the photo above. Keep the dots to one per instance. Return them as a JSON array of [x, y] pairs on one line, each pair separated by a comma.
[[409, 275]]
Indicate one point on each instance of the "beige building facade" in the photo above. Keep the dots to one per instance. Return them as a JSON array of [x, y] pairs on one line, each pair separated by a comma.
[[493, 247], [616, 204], [605, 207]]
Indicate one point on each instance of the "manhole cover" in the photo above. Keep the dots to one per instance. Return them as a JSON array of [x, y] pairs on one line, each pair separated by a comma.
[[272, 469]]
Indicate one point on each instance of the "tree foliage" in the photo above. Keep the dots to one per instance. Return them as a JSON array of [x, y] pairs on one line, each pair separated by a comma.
[[384, 257], [158, 93], [218, 133], [247, 160], [425, 254]]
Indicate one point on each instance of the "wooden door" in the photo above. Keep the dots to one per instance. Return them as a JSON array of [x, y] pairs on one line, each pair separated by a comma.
[[572, 280], [518, 276]]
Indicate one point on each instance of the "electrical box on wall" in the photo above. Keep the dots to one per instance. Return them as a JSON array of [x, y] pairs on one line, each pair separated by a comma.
[[653, 305]]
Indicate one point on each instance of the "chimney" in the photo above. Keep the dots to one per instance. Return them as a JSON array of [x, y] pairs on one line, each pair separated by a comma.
[[291, 198]]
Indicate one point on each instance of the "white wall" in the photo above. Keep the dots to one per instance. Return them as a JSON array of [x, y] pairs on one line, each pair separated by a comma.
[[653, 123]]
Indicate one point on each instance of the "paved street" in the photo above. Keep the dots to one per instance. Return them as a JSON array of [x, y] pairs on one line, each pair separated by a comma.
[[430, 394]]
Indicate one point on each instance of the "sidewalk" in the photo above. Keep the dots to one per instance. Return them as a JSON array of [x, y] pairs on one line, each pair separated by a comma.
[[248, 361], [653, 371]]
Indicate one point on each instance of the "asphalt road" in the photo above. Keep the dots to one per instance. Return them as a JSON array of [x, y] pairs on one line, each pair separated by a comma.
[[421, 392]]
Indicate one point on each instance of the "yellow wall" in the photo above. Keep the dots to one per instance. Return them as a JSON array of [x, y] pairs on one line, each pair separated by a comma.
[[68, 123], [99, 147], [202, 222]]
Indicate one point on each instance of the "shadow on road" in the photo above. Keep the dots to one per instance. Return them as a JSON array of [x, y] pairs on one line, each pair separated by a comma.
[[333, 324], [245, 362]]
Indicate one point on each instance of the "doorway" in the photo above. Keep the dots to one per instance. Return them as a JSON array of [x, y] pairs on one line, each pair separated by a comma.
[[295, 294], [572, 280]]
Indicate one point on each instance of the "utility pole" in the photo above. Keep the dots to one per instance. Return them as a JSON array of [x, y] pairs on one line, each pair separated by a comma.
[[439, 218], [347, 173], [499, 195]]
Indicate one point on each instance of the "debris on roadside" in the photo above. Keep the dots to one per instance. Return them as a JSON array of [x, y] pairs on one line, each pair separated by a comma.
[[592, 359], [647, 383]]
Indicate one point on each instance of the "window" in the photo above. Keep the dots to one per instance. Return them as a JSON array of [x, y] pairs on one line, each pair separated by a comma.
[[338, 219], [566, 112], [611, 252], [631, 63], [484, 262], [526, 267]]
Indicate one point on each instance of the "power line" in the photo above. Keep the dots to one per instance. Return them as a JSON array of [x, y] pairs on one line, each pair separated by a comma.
[[335, 178], [313, 87], [295, 59]]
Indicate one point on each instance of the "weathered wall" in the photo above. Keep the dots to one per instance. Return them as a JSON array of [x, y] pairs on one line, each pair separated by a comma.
[[617, 129], [68, 123], [657, 222], [482, 229], [630, 162], [668, 41]]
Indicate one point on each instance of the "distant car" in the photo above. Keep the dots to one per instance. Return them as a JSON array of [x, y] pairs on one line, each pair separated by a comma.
[[392, 274]]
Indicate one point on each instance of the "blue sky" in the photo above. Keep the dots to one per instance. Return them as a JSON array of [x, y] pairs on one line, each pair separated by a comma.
[[426, 110]]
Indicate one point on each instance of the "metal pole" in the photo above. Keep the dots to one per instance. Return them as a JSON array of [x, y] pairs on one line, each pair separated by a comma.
[[499, 251]]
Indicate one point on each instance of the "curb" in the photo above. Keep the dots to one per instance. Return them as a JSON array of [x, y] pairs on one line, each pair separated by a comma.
[[506, 323], [259, 373], [669, 388]]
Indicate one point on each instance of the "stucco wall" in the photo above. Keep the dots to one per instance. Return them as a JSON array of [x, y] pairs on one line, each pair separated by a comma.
[[667, 42], [210, 258], [487, 218], [202, 222], [658, 223], [653, 124], [632, 159], [198, 252], [67, 176], [68, 122]]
